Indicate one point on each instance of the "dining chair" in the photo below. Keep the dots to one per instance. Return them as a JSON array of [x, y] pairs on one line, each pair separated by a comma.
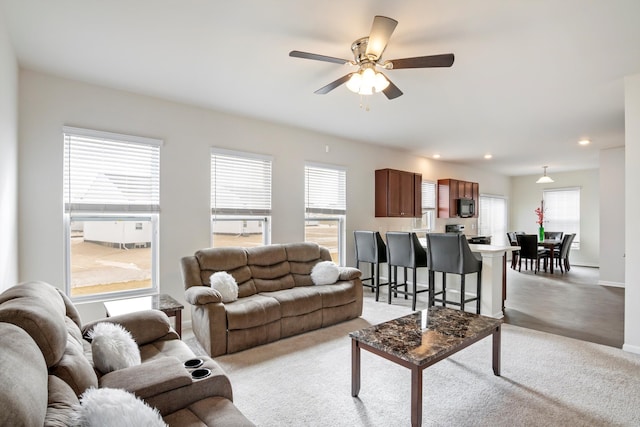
[[513, 241], [553, 235], [371, 249], [450, 253], [529, 251], [405, 250], [562, 254]]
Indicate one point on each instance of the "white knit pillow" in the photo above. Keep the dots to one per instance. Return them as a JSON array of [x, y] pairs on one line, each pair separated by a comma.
[[112, 407], [224, 283], [325, 273], [113, 347]]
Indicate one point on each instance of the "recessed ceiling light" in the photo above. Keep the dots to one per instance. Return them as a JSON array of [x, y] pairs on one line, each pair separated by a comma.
[[584, 141], [488, 156], [436, 156]]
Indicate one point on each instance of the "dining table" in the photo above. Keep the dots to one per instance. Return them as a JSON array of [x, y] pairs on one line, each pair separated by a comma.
[[550, 244]]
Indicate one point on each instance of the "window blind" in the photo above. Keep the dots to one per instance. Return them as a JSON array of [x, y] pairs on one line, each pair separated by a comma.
[[492, 218], [240, 183], [428, 195], [108, 172], [325, 190], [562, 211]]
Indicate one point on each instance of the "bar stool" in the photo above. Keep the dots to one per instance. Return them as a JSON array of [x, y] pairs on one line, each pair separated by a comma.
[[404, 250], [450, 253], [371, 248]]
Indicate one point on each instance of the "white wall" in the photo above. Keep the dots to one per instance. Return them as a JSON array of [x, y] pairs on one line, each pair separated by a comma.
[[8, 162], [632, 204], [47, 103], [612, 233], [526, 196]]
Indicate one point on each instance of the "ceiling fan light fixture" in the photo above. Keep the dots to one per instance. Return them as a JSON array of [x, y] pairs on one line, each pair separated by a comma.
[[544, 179], [367, 82]]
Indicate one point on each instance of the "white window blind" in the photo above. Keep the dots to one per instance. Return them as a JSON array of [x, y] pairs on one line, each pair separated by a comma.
[[562, 211], [428, 195], [492, 218], [325, 190], [108, 172], [240, 183]]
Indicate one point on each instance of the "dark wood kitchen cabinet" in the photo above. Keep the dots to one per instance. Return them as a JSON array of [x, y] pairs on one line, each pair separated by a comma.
[[450, 190], [398, 193]]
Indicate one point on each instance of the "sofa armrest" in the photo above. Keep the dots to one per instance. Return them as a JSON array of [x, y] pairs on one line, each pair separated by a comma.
[[349, 273], [145, 326], [150, 378], [197, 295]]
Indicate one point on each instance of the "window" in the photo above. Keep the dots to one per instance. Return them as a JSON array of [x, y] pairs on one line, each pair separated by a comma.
[[427, 221], [111, 209], [562, 212], [492, 219], [326, 208], [240, 199]]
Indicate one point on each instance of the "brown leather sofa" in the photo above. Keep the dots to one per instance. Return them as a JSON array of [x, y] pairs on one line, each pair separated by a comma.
[[276, 296], [46, 364]]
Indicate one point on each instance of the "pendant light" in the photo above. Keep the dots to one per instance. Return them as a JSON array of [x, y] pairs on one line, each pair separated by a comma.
[[544, 179]]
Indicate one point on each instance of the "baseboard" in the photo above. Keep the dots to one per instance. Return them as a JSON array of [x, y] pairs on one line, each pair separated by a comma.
[[631, 348], [613, 284]]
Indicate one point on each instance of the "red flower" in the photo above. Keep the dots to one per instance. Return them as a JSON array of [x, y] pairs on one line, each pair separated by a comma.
[[540, 212]]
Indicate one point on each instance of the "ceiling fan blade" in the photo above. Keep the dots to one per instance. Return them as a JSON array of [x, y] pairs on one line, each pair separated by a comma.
[[331, 86], [392, 91], [444, 60], [314, 56], [381, 31]]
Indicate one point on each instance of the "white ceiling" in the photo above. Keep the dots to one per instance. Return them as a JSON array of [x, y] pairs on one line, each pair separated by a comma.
[[530, 78]]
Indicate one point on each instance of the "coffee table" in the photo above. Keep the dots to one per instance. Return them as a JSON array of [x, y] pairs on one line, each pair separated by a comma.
[[162, 302], [419, 340]]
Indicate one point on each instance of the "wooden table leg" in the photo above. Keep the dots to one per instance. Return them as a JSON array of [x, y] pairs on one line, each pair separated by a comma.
[[355, 368], [179, 322], [416, 397], [496, 351]]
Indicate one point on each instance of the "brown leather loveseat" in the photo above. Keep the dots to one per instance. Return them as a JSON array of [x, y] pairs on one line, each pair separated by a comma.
[[276, 295]]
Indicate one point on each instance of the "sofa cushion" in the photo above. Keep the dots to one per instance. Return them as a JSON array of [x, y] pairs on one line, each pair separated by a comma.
[[302, 258], [256, 310], [297, 301], [23, 394], [269, 268], [37, 308], [144, 326], [61, 404], [338, 294], [75, 369], [231, 260], [212, 411]]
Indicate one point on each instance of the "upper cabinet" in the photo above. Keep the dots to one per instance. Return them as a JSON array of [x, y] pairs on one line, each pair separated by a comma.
[[398, 193], [450, 190]]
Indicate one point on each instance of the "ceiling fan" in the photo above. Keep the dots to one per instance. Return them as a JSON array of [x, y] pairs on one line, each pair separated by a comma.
[[367, 53]]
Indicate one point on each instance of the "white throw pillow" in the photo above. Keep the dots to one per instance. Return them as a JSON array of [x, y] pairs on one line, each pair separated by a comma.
[[224, 283], [112, 407], [113, 347], [325, 273]]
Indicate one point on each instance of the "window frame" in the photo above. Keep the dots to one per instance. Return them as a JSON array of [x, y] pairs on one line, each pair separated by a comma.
[[578, 191], [102, 212], [337, 214], [492, 232], [260, 214]]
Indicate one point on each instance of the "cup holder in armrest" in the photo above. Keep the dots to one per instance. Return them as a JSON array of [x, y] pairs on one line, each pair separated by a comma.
[[200, 373], [193, 363]]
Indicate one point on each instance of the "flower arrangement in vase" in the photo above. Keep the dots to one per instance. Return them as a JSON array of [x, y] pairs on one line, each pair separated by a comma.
[[540, 212]]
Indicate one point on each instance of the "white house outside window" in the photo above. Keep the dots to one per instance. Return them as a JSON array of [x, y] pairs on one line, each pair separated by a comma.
[[240, 198], [326, 208], [111, 212]]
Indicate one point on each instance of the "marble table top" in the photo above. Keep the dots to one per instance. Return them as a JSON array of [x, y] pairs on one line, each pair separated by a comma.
[[424, 336]]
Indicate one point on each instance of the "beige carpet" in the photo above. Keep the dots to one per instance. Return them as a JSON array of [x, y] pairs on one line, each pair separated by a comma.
[[547, 380]]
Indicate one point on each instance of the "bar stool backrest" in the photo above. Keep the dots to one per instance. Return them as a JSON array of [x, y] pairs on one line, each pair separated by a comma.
[[405, 250], [450, 253], [370, 247]]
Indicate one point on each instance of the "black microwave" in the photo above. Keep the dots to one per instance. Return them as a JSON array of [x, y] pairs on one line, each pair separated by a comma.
[[466, 208]]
